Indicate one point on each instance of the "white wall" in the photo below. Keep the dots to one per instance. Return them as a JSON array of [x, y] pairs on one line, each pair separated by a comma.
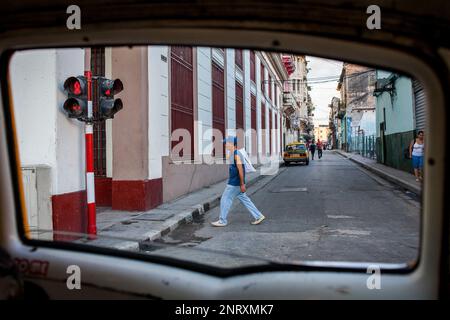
[[204, 94], [70, 156], [164, 100], [158, 130], [46, 136], [230, 92], [247, 100], [258, 101], [33, 72], [266, 126], [278, 133], [267, 106], [273, 105], [368, 122], [274, 132]]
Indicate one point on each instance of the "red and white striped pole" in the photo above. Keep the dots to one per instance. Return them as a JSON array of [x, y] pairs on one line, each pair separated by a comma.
[[89, 135]]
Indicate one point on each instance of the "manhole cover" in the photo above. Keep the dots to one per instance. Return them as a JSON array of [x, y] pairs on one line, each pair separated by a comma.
[[156, 216], [292, 189]]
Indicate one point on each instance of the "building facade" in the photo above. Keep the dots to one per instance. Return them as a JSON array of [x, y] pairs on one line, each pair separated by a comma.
[[321, 133], [299, 87], [297, 100], [356, 86], [334, 123], [179, 103], [399, 115]]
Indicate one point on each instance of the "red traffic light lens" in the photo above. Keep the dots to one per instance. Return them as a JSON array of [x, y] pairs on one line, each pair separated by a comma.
[[73, 86], [73, 108], [76, 88]]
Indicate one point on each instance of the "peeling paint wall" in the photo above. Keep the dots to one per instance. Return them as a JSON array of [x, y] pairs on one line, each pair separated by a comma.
[[357, 86]]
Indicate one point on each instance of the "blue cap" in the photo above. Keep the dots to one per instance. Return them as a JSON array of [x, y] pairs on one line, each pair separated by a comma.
[[230, 139]]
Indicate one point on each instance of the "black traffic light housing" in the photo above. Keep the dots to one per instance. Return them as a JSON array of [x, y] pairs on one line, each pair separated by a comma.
[[108, 106], [76, 104]]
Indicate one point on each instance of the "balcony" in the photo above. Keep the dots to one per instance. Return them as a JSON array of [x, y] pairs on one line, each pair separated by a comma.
[[289, 103], [288, 98], [288, 62]]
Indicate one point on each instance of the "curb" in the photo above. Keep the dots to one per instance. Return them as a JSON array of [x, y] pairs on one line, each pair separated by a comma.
[[194, 213], [404, 184]]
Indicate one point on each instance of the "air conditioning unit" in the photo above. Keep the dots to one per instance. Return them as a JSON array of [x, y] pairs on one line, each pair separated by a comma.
[[37, 196]]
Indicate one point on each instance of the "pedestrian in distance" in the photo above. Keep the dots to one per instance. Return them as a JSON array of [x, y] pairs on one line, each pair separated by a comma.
[[235, 186], [319, 148], [416, 153], [312, 149]]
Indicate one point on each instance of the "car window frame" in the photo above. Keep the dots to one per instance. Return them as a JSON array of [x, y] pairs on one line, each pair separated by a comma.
[[13, 155]]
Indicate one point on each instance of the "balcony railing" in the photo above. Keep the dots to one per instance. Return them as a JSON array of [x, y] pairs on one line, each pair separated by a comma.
[[288, 99]]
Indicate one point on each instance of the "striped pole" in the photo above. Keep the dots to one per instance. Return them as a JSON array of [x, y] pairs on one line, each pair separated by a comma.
[[90, 187]]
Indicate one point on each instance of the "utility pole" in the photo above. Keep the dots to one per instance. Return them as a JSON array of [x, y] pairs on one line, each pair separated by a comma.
[[89, 140]]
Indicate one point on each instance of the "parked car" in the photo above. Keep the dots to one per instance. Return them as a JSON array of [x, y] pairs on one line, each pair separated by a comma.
[[296, 152]]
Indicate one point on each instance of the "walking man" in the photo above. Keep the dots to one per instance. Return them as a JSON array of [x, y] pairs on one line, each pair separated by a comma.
[[235, 186], [319, 148], [312, 148]]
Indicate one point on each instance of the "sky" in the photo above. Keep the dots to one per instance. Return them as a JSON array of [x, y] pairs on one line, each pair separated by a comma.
[[322, 93]]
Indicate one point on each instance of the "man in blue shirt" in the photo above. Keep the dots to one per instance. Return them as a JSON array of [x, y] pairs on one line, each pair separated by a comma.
[[235, 187]]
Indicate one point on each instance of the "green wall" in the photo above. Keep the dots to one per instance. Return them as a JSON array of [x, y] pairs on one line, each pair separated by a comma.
[[395, 145], [398, 113]]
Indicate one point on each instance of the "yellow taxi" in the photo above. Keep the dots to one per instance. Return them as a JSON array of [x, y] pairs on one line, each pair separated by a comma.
[[296, 152]]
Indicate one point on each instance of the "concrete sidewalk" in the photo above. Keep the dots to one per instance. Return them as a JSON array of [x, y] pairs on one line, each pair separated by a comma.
[[116, 228], [398, 177]]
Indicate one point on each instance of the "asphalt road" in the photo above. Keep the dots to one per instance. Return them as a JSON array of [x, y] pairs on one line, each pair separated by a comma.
[[331, 210]]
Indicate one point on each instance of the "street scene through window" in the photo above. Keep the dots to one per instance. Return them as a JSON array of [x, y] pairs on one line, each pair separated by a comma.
[[220, 156]]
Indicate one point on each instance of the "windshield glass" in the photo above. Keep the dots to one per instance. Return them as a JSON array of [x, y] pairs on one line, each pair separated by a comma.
[[296, 147], [177, 151]]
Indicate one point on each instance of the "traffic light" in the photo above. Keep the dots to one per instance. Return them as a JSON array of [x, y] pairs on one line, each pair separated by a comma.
[[108, 106], [76, 104]]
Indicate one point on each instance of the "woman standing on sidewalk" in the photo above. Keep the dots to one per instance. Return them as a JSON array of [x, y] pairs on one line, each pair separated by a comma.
[[235, 187], [416, 152]]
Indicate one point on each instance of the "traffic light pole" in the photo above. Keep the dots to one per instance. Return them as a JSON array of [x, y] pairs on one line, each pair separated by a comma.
[[89, 136], [79, 106]]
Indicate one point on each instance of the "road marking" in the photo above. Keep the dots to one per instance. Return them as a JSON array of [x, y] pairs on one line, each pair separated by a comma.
[[351, 232], [339, 217], [291, 189]]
